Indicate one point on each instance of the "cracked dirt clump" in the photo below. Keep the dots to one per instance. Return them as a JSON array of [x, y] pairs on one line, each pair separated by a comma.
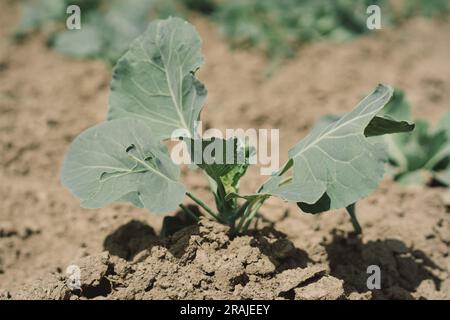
[[203, 262], [198, 262]]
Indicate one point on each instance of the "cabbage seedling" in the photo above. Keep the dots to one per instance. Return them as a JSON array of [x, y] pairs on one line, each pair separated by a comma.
[[422, 157], [154, 92]]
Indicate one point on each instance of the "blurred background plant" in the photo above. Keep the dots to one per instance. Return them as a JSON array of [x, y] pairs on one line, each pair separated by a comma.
[[107, 26], [278, 28], [423, 156]]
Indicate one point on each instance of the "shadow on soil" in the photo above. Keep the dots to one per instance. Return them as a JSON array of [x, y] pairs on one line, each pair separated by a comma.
[[279, 249], [130, 239], [402, 269], [135, 236]]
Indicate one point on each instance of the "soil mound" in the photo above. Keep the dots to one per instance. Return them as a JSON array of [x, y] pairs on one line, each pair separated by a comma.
[[203, 262]]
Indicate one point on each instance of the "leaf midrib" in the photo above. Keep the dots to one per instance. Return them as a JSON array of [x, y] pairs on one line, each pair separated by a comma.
[[169, 83], [326, 134]]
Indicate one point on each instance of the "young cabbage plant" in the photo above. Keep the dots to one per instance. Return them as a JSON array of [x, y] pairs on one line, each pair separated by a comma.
[[422, 157], [154, 92]]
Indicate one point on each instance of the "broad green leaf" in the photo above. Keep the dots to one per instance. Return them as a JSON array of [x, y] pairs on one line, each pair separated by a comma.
[[379, 125], [338, 160], [385, 125], [121, 160], [321, 205], [391, 119], [398, 107], [134, 198], [326, 120], [291, 190], [154, 81]]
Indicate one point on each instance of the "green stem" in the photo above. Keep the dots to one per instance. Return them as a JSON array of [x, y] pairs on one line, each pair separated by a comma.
[[236, 214], [203, 205], [248, 205], [252, 215], [189, 212], [355, 223], [241, 210], [225, 206], [251, 208]]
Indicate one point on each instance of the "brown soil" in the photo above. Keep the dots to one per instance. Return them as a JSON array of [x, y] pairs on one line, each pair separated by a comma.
[[47, 99]]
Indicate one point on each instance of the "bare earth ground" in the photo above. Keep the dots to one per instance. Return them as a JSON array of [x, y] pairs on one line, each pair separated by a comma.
[[47, 99]]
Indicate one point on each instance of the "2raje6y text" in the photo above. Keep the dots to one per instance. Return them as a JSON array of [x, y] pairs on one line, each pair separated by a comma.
[[227, 309]]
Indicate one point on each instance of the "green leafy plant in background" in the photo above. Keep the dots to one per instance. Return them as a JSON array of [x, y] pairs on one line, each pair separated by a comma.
[[279, 27], [422, 157], [424, 8], [43, 13], [155, 95], [108, 27]]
